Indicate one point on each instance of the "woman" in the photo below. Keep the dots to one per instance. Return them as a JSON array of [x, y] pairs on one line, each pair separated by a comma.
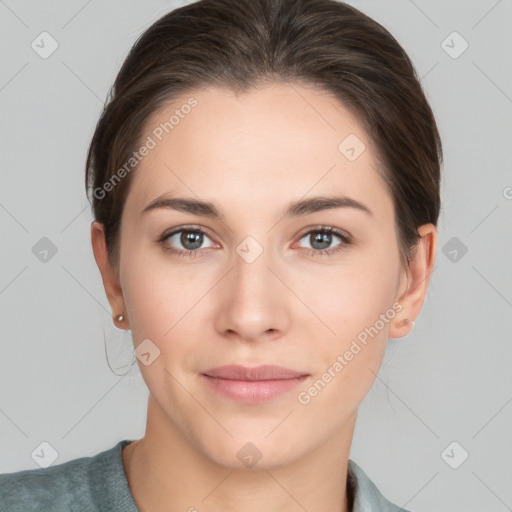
[[265, 186]]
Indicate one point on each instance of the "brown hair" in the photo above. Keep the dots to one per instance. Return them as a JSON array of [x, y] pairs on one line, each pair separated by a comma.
[[240, 44]]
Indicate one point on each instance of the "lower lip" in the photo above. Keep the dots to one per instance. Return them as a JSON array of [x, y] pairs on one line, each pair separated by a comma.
[[252, 391]]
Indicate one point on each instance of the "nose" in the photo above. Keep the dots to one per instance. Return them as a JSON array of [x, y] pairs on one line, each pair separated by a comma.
[[254, 303]]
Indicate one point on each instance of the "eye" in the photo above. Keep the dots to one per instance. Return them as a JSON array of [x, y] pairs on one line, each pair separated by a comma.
[[322, 237], [190, 239]]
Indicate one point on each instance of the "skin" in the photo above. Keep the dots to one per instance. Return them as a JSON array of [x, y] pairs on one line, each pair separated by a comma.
[[251, 155]]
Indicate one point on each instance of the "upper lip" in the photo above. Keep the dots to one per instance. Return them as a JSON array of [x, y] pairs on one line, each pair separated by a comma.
[[264, 372]]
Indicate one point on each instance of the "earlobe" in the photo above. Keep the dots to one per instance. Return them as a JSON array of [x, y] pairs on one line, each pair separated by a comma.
[[109, 277], [418, 275], [401, 328]]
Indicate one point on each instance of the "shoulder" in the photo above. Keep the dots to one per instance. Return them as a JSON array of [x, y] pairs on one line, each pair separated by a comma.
[[365, 495], [53, 488], [78, 485]]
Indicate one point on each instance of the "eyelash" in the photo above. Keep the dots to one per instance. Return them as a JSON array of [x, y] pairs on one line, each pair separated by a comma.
[[346, 240]]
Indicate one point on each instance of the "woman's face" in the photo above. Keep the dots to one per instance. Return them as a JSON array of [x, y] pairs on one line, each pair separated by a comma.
[[259, 287]]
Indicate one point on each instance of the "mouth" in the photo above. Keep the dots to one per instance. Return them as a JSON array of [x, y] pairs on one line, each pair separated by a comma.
[[252, 385]]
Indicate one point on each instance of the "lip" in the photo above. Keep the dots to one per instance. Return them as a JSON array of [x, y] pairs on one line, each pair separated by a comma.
[[252, 385], [263, 372]]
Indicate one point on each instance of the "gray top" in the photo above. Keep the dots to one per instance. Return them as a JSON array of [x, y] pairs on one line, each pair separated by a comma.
[[99, 484]]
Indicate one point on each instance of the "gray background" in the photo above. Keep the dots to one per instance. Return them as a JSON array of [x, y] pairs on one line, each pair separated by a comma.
[[449, 380]]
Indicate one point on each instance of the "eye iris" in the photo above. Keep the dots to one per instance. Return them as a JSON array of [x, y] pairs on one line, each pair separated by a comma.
[[193, 237], [323, 238]]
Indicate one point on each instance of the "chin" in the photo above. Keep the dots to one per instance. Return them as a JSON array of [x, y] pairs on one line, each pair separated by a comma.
[[252, 451]]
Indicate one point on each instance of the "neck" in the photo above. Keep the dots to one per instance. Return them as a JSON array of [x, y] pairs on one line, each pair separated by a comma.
[[166, 471]]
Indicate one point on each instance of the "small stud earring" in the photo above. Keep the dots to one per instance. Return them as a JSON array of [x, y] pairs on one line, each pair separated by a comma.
[[406, 321], [120, 318]]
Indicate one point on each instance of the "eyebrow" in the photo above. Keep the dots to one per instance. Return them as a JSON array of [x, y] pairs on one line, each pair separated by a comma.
[[298, 208]]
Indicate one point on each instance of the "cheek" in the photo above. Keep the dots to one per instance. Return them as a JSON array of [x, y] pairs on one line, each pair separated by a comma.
[[166, 303], [156, 296], [353, 297], [356, 303], [160, 303]]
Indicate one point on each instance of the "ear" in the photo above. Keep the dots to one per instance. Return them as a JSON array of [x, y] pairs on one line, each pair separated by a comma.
[[108, 274], [415, 280]]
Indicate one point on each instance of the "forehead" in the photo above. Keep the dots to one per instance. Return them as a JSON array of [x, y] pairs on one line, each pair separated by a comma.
[[262, 147]]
